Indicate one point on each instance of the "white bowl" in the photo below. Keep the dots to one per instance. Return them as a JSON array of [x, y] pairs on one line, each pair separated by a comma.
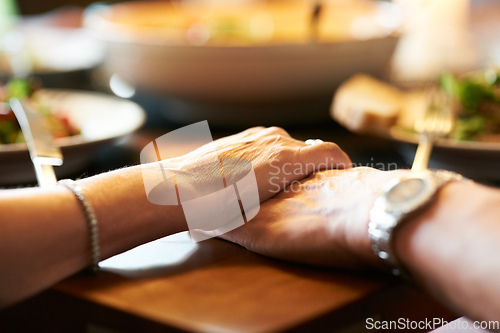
[[158, 58], [101, 118]]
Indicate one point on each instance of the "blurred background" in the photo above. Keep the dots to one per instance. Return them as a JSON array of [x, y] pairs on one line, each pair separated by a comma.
[[240, 63], [31, 7], [272, 60]]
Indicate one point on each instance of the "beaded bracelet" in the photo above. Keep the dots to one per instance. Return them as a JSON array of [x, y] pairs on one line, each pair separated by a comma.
[[91, 221]]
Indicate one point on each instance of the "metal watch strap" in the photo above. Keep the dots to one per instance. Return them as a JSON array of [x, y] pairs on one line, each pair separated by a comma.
[[382, 223]]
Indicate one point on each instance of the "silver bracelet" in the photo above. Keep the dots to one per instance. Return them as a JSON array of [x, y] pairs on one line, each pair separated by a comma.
[[91, 221]]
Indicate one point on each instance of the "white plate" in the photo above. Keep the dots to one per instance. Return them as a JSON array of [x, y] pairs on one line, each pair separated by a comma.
[[51, 43], [57, 50], [100, 117], [476, 160]]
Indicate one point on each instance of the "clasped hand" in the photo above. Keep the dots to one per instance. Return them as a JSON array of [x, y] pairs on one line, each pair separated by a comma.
[[314, 207]]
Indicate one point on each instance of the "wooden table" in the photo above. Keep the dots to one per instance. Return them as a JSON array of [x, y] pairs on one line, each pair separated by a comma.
[[175, 285]]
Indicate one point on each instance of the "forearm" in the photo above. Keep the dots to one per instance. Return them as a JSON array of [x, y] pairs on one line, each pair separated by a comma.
[[452, 248], [126, 217], [45, 236]]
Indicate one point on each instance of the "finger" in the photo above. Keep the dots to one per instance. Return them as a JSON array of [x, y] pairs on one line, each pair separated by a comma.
[[325, 155], [252, 134], [240, 135], [252, 130], [277, 131], [273, 131]]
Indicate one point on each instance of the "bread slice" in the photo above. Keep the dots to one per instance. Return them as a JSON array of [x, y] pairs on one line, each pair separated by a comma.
[[366, 105], [414, 107]]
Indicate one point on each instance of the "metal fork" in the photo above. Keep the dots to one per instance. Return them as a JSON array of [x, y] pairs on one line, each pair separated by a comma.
[[437, 122]]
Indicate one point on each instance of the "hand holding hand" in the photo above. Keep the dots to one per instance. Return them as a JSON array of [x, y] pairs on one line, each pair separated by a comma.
[[322, 220], [276, 157]]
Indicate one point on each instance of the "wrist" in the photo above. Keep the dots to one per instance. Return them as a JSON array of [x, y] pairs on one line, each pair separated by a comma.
[[359, 241], [125, 213], [414, 241], [403, 199], [449, 249]]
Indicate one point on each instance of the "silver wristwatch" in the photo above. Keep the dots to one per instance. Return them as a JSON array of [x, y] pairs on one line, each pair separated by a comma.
[[403, 197]]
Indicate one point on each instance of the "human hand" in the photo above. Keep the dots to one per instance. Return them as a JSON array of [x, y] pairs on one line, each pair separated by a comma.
[[276, 157], [322, 220]]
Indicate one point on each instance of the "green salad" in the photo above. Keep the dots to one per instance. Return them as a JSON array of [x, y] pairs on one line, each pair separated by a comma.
[[478, 111], [10, 132]]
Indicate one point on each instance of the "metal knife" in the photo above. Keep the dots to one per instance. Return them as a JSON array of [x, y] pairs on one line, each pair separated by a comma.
[[43, 151]]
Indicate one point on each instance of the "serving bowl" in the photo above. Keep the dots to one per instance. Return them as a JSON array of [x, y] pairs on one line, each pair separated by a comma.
[[150, 45]]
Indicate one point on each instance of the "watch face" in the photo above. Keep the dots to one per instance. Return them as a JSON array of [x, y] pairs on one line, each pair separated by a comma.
[[410, 193], [406, 190]]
